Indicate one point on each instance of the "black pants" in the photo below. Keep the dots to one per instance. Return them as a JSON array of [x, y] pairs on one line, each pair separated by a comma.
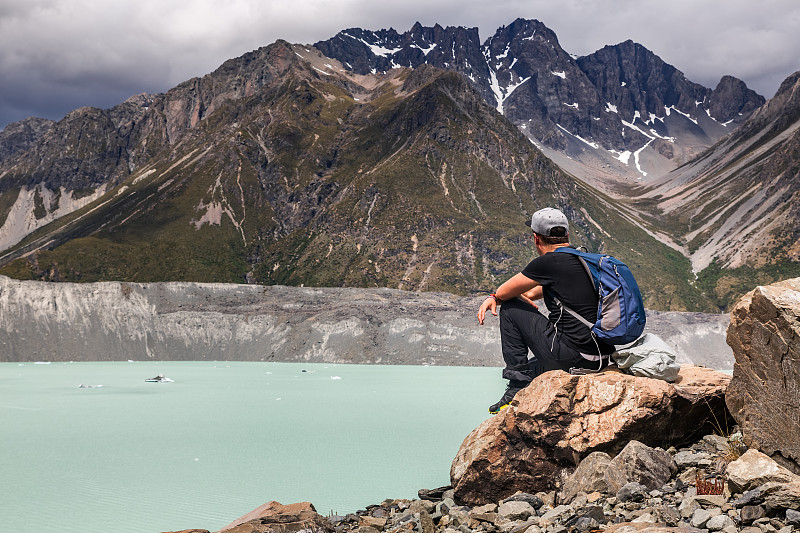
[[522, 327]]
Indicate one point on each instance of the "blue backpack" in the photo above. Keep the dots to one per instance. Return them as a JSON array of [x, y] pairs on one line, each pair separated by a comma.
[[620, 310]]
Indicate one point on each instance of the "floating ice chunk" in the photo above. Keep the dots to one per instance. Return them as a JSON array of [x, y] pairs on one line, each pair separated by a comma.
[[575, 105], [335, 377], [611, 108], [623, 84], [562, 74]]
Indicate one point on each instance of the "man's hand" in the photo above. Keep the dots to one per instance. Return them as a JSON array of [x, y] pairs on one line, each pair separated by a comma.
[[489, 304], [531, 295]]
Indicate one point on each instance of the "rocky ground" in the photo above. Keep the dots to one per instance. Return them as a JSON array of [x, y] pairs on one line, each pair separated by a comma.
[[675, 504]]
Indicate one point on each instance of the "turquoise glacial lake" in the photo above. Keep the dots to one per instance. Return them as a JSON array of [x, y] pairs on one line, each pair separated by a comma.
[[222, 439]]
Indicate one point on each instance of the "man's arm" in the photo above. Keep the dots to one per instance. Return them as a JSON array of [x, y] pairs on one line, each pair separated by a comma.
[[516, 286]]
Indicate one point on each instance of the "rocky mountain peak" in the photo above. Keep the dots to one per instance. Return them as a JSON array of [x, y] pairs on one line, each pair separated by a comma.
[[732, 98], [20, 136], [621, 108]]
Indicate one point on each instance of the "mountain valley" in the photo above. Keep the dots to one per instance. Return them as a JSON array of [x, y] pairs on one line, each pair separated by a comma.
[[412, 161]]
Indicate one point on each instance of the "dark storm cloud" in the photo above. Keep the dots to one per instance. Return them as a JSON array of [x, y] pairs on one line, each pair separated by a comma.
[[57, 55]]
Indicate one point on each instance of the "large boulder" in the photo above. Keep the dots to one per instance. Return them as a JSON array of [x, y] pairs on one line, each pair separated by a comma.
[[559, 419], [753, 469], [273, 517], [764, 395]]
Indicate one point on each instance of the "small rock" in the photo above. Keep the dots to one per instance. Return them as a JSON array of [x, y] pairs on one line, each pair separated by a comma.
[[488, 508], [419, 506], [584, 523], [593, 497], [786, 529], [765, 525], [580, 500], [750, 513], [667, 514], [535, 500], [632, 492], [688, 458], [552, 515], [483, 517], [750, 529], [717, 500], [717, 443], [515, 510], [793, 517], [433, 494], [688, 476], [719, 522], [458, 517], [700, 518], [426, 522], [751, 497], [548, 498], [371, 521]]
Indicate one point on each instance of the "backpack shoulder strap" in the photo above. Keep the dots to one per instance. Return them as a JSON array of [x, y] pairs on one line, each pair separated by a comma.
[[575, 314]]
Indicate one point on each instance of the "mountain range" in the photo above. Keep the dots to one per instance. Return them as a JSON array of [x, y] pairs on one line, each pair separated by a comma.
[[412, 161]]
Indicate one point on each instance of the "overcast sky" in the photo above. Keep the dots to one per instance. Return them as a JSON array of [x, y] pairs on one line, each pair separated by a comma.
[[57, 55]]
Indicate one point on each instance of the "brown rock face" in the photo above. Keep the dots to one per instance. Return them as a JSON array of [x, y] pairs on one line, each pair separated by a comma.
[[559, 419], [273, 517], [764, 395]]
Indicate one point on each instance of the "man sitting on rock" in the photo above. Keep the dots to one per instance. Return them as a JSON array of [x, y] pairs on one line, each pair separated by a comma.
[[560, 341]]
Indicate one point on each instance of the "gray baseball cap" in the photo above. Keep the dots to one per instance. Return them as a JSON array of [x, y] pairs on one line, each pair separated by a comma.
[[550, 223]]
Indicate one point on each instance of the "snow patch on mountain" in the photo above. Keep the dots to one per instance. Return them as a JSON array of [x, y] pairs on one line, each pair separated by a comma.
[[501, 94], [425, 51], [376, 49], [592, 144]]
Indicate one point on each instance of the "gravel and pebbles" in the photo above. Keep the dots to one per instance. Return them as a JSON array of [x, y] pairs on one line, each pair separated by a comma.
[[674, 506]]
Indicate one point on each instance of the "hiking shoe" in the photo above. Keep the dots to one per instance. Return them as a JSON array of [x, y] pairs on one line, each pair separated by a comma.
[[505, 400]]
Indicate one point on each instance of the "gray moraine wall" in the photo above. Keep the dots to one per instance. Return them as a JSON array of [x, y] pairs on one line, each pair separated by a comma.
[[116, 321]]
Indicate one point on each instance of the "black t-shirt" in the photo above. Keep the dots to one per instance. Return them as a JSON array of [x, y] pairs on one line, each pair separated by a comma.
[[563, 276]]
